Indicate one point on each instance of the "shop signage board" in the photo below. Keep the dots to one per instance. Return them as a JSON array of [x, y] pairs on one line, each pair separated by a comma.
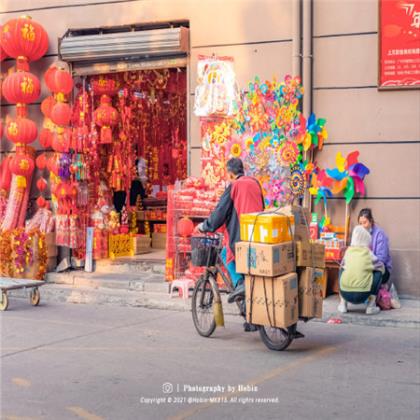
[[399, 44]]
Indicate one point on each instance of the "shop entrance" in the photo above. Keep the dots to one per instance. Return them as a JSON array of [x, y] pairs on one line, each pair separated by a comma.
[[136, 147]]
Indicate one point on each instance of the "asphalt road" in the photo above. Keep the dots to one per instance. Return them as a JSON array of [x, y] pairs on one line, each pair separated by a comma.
[[109, 362]]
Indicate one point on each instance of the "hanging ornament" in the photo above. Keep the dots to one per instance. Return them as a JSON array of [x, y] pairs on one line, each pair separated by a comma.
[[21, 87], [106, 117], [21, 130], [47, 105], [24, 39], [61, 114]]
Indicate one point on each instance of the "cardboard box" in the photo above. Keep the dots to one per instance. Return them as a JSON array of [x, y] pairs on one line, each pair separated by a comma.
[[334, 254], [264, 259], [310, 296], [310, 254], [142, 244], [323, 283], [158, 240], [275, 304], [302, 219], [318, 254], [268, 227], [303, 254], [51, 264]]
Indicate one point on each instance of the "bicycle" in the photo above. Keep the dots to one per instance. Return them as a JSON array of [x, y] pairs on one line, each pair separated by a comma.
[[207, 310]]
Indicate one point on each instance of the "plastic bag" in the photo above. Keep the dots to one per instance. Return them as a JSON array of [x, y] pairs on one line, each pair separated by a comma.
[[384, 299]]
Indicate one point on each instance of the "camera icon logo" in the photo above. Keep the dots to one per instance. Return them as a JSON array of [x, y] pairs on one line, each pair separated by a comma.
[[167, 388]]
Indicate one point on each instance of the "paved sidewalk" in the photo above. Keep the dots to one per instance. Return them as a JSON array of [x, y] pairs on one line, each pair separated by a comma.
[[149, 290]]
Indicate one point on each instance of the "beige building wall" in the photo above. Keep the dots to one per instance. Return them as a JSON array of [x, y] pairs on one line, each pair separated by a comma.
[[384, 126]]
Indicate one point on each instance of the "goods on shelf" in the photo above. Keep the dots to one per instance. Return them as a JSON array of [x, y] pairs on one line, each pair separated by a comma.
[[193, 201]]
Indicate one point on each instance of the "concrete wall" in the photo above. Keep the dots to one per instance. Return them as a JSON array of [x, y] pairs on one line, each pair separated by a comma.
[[384, 126]]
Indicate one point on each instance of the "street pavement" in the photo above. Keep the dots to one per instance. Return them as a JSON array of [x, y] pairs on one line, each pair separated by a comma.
[[68, 361]]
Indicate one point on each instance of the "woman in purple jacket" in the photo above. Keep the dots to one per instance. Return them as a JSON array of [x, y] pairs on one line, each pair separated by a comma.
[[380, 242]]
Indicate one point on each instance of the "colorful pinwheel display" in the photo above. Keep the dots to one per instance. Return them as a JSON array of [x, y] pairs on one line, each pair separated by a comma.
[[348, 177]]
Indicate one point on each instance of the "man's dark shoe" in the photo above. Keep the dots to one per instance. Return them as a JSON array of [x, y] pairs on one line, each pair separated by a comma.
[[250, 327], [238, 292]]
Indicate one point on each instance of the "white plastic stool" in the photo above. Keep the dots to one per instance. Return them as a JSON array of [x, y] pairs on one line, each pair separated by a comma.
[[182, 284]]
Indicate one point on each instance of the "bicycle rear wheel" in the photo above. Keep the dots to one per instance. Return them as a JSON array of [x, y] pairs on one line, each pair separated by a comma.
[[202, 307], [277, 339]]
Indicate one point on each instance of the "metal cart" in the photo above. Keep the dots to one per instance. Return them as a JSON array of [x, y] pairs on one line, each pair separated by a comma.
[[7, 284]]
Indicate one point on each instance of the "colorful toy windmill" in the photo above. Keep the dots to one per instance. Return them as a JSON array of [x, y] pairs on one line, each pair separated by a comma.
[[348, 177]]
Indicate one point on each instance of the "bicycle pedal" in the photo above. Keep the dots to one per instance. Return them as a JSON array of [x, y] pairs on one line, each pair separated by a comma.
[[298, 335]]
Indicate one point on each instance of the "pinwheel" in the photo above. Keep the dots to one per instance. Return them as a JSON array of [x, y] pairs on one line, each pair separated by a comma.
[[321, 187], [316, 133], [348, 177]]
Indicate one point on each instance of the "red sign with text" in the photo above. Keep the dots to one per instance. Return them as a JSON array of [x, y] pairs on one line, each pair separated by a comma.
[[399, 43]]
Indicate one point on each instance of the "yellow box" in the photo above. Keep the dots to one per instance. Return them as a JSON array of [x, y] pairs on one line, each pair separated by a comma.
[[267, 227]]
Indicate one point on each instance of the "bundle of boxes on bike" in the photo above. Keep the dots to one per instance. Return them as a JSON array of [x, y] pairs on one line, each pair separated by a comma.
[[284, 270]]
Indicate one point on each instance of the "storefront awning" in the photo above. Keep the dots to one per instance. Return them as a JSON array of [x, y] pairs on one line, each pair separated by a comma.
[[93, 51]]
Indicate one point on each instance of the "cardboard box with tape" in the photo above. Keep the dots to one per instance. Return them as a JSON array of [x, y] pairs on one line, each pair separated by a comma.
[[272, 300], [310, 254], [265, 259], [310, 292], [158, 240]]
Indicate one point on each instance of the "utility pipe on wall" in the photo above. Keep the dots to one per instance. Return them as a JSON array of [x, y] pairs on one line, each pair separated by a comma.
[[297, 38], [307, 57], [307, 73]]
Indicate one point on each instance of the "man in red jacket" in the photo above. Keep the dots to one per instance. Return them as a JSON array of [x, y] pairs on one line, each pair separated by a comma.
[[243, 195]]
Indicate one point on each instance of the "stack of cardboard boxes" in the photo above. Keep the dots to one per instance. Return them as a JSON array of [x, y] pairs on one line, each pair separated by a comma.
[[273, 244]]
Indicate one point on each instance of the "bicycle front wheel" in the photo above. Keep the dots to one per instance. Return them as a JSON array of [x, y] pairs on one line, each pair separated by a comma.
[[202, 307]]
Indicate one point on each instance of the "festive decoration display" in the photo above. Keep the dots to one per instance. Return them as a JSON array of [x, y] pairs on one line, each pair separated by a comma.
[[216, 93]]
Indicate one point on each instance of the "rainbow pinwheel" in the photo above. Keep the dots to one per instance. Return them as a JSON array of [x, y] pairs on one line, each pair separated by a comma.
[[321, 186], [348, 177], [316, 133]]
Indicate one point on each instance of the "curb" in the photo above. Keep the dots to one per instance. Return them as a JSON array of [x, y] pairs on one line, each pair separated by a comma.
[[141, 297]]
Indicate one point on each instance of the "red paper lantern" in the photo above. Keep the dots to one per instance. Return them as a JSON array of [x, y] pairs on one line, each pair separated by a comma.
[[41, 161], [22, 165], [41, 202], [45, 138], [3, 54], [106, 117], [21, 130], [58, 80], [47, 105], [61, 113], [105, 84], [61, 141], [5, 174], [1, 129], [41, 184], [185, 227], [21, 87], [23, 38]]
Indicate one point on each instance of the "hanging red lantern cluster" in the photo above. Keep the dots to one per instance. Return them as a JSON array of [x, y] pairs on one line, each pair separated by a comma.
[[60, 82], [26, 41]]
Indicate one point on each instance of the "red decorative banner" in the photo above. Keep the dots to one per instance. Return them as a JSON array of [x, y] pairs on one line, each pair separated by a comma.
[[399, 63]]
